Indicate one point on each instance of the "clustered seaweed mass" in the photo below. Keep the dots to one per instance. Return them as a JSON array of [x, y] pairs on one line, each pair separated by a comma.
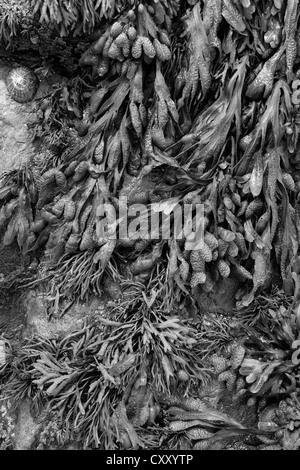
[[173, 102]]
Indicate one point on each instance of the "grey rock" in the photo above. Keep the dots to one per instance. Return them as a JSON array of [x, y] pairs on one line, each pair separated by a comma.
[[15, 145], [37, 322], [25, 428]]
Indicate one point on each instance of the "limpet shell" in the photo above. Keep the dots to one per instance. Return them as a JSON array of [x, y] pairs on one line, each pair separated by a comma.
[[22, 84]]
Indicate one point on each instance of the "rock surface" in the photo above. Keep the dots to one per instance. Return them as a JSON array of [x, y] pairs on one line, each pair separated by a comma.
[[15, 145], [25, 428], [36, 321]]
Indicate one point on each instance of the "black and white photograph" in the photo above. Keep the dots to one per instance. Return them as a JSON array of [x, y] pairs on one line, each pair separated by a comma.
[[149, 228]]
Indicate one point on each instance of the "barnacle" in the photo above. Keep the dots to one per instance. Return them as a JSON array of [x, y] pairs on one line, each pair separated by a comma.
[[22, 84]]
